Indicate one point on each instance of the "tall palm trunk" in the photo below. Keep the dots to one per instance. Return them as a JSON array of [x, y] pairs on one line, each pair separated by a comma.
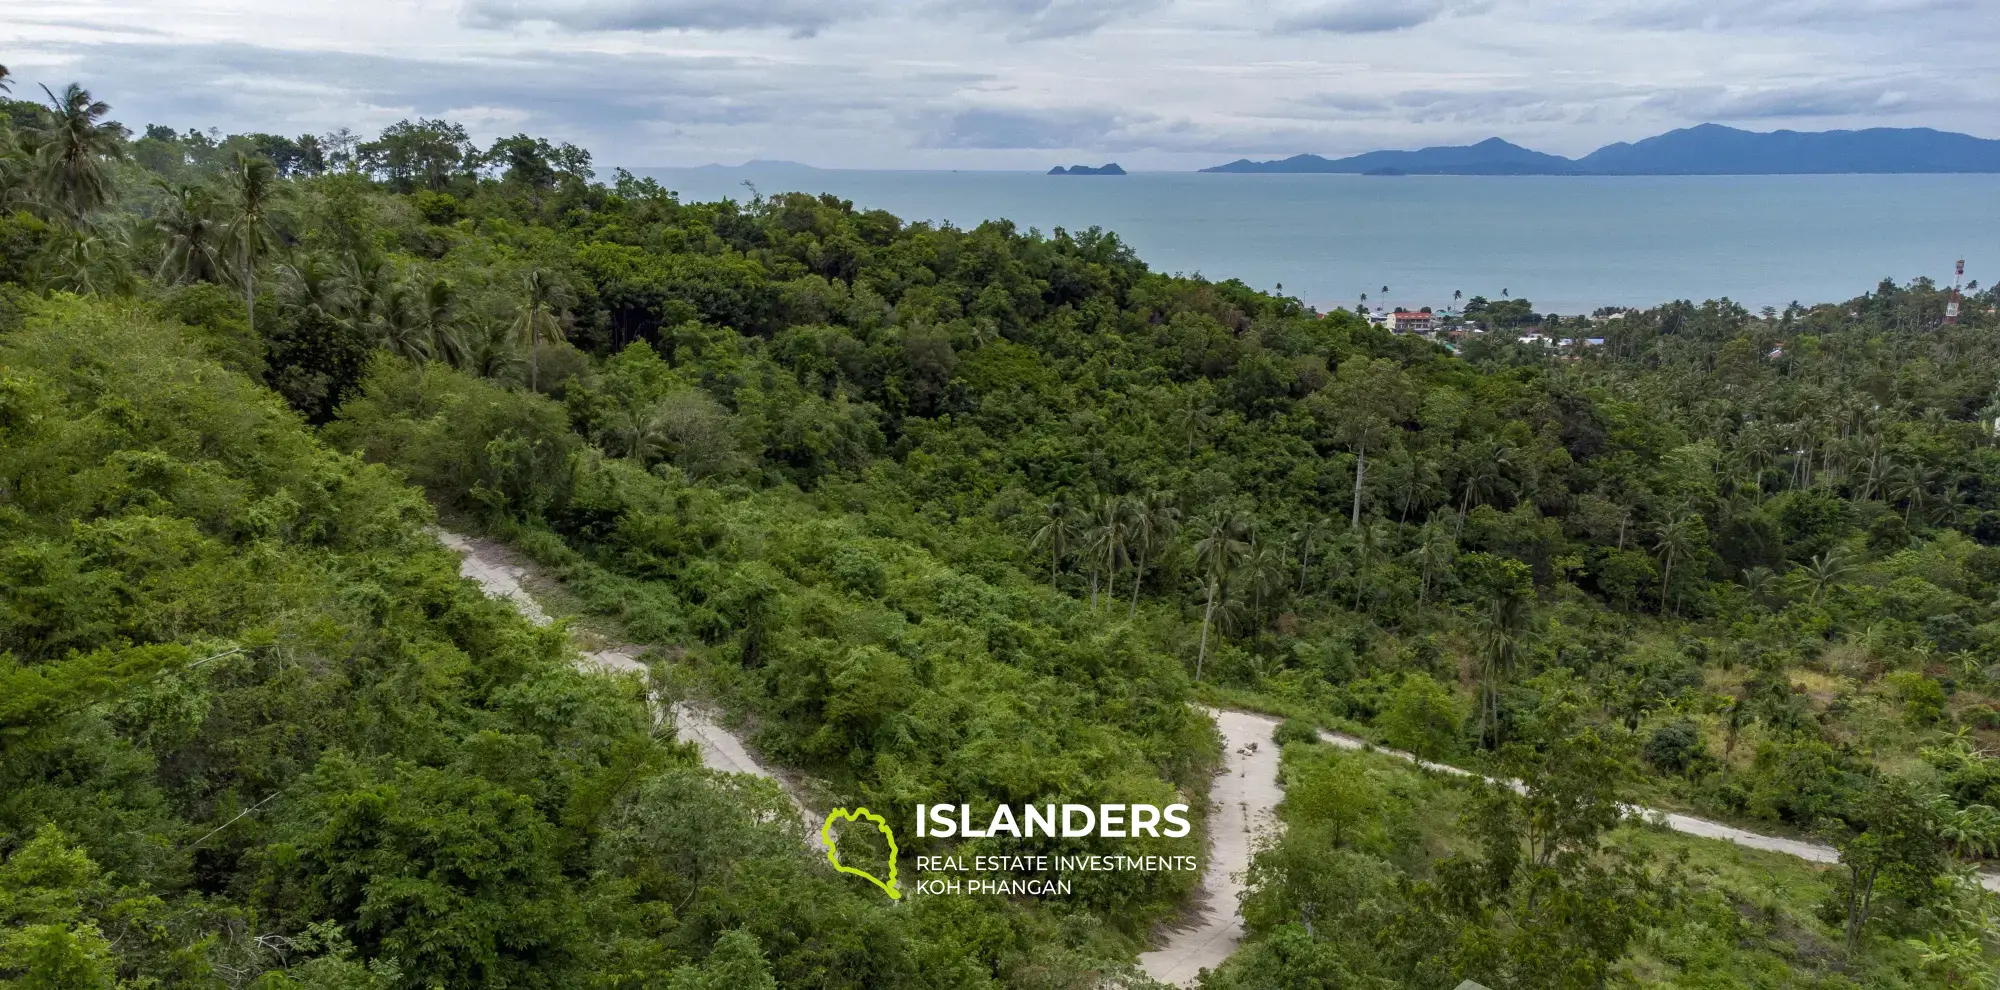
[[1360, 469], [249, 289], [1207, 614], [1137, 579]]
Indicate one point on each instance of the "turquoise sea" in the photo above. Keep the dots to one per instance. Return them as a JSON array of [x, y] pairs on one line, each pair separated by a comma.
[[1569, 244]]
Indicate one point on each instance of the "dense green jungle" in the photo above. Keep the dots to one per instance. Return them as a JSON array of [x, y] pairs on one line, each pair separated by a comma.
[[938, 515]]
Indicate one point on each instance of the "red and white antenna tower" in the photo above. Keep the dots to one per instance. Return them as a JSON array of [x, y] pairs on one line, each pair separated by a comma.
[[1951, 301]]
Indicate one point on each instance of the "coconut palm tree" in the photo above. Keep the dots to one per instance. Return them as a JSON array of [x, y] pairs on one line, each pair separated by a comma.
[[399, 323], [1058, 532], [542, 298], [1433, 556], [1676, 540], [1222, 545], [194, 238], [74, 147], [1265, 570], [249, 202], [1825, 571], [1503, 632], [1107, 542], [438, 303], [88, 261], [489, 348], [1156, 518], [1305, 537], [1193, 418]]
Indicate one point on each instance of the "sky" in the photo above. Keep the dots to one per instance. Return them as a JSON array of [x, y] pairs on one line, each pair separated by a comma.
[[1019, 84]]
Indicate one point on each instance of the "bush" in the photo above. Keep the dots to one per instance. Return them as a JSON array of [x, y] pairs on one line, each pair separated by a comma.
[[1923, 699], [1422, 716], [1295, 730], [1676, 747]]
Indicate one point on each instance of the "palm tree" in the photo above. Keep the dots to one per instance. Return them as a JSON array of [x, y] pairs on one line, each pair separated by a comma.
[[541, 297], [488, 347], [1192, 418], [1220, 549], [1266, 569], [1155, 520], [1368, 543], [1909, 487], [74, 146], [1676, 539], [1305, 537], [310, 284], [250, 197], [88, 261], [1058, 532], [438, 302], [1759, 581], [1107, 542], [5, 86], [641, 432], [1825, 571], [1503, 630], [400, 324], [1434, 555], [187, 221]]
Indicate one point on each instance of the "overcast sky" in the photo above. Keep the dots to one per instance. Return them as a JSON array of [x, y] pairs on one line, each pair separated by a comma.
[[1020, 83]]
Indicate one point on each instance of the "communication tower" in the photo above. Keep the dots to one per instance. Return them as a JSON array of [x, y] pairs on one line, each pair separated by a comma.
[[1951, 301]]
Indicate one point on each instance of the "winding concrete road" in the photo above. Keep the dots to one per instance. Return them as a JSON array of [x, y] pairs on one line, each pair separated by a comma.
[[494, 567], [1811, 852], [1243, 801], [1243, 797]]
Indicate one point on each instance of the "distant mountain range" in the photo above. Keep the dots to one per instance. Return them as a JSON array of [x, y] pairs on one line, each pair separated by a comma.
[[1111, 169], [1710, 149]]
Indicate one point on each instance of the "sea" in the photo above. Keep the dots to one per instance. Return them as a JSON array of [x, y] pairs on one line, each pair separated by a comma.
[[1567, 244]]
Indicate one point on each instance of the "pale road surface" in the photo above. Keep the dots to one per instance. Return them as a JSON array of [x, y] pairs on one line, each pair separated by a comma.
[[1242, 806], [1243, 798], [1811, 852], [487, 563]]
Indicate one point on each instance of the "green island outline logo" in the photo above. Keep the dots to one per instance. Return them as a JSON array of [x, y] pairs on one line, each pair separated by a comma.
[[833, 850]]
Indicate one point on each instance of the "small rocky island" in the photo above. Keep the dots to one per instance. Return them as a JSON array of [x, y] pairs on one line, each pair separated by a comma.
[[1111, 169]]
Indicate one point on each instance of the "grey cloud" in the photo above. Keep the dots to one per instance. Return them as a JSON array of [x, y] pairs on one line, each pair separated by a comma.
[[1828, 100], [800, 17], [1035, 20], [1000, 129], [614, 103], [1719, 14], [1364, 16]]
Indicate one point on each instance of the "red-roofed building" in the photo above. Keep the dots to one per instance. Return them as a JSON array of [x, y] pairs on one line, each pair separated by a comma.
[[1404, 321]]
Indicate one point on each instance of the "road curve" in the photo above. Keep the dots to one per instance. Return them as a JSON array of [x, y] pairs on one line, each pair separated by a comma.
[[490, 565], [1811, 852], [1243, 801], [1243, 798]]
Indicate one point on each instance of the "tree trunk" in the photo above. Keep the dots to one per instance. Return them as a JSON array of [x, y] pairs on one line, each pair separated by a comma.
[[249, 289], [1137, 580], [1206, 615], [1666, 582], [1360, 469]]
